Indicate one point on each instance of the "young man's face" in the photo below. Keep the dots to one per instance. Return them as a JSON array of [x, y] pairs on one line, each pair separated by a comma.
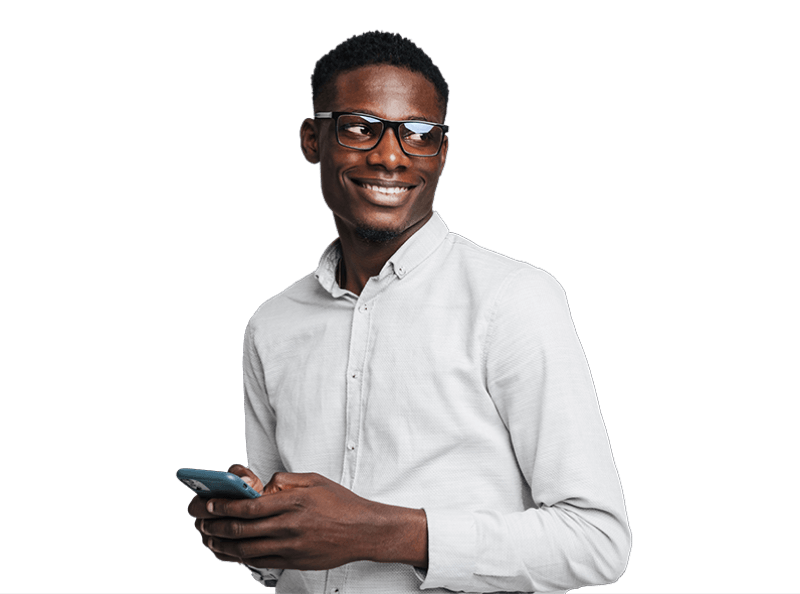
[[380, 193]]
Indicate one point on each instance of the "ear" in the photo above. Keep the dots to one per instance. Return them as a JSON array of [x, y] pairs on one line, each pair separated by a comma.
[[309, 140], [443, 154]]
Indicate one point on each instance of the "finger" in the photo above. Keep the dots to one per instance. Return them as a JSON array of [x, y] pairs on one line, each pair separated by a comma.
[[244, 550], [198, 508], [247, 476], [265, 506], [236, 529], [220, 556], [290, 480]]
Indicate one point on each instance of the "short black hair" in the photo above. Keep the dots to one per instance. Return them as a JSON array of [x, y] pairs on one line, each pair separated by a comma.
[[375, 47]]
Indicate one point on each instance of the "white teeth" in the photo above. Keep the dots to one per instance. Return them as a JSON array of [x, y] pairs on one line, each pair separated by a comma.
[[386, 189]]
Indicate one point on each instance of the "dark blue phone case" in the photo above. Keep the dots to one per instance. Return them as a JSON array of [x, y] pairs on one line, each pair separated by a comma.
[[213, 483]]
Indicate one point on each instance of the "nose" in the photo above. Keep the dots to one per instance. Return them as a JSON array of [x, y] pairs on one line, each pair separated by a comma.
[[388, 153]]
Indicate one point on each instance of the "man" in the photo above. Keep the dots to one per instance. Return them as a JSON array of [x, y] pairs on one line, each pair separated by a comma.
[[420, 407]]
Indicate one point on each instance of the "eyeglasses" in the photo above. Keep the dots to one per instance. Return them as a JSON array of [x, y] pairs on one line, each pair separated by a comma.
[[363, 132]]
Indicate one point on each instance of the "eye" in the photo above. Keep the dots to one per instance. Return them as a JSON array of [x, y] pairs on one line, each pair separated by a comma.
[[356, 129], [416, 136], [420, 133]]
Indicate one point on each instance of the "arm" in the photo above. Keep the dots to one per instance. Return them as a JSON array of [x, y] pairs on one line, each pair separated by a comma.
[[306, 521], [576, 532], [314, 523]]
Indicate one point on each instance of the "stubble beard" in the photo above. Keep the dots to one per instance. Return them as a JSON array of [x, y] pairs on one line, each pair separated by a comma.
[[374, 235]]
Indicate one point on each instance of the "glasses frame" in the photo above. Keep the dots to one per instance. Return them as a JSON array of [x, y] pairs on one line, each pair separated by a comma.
[[387, 124]]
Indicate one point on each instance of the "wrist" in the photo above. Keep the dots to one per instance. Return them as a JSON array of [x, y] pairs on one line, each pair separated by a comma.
[[399, 535]]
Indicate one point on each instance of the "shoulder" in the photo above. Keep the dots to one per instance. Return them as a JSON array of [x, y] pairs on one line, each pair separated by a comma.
[[517, 297], [507, 275], [280, 310]]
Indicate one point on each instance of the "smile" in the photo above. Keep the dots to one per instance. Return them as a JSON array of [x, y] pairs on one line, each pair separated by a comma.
[[389, 190]]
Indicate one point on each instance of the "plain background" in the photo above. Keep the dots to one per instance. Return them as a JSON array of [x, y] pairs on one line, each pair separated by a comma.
[[154, 194]]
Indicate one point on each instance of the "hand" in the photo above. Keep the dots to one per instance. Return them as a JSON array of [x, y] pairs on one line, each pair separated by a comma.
[[198, 506], [306, 521]]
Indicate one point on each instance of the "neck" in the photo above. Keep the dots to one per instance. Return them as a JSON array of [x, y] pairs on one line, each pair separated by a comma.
[[363, 259]]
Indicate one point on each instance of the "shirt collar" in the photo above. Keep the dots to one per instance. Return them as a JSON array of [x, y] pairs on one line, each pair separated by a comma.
[[410, 255]]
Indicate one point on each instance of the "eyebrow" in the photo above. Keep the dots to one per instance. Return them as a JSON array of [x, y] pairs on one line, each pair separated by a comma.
[[411, 118]]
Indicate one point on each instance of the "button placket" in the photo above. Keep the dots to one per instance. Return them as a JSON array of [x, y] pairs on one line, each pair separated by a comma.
[[359, 339], [335, 580]]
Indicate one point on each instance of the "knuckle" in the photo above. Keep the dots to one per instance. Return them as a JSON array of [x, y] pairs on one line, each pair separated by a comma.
[[291, 549], [251, 507], [233, 529], [291, 526], [296, 499]]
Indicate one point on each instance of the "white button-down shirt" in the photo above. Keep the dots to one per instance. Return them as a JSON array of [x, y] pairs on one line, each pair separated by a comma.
[[454, 383]]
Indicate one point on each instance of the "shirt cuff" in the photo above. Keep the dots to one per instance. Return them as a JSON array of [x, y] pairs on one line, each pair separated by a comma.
[[265, 577], [451, 550]]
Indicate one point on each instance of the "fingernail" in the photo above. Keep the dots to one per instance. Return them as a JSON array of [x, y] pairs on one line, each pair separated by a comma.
[[210, 543], [210, 506], [248, 480]]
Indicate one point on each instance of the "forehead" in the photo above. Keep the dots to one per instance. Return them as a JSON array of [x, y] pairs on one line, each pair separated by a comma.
[[390, 92]]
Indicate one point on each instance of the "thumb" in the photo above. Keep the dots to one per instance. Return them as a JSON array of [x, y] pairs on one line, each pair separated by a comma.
[[247, 476], [291, 480]]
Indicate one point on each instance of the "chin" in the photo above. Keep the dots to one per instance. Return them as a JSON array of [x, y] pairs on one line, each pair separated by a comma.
[[376, 235]]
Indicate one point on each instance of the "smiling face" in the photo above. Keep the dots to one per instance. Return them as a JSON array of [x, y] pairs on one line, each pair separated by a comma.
[[380, 194]]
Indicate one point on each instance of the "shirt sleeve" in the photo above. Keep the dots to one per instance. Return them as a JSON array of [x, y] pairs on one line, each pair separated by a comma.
[[265, 577], [576, 531], [262, 450]]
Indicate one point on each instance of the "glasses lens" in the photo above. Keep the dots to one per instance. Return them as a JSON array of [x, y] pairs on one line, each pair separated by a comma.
[[358, 132], [362, 132], [420, 138]]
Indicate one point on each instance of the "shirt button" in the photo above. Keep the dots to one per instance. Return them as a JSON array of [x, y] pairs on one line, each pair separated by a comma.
[[351, 446], [335, 591], [363, 308]]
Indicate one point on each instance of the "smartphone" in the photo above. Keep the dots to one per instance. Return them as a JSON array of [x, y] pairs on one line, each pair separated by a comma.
[[213, 483]]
